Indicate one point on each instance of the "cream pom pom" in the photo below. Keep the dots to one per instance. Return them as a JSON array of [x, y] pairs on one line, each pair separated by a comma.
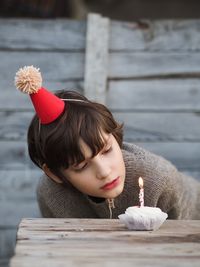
[[28, 80]]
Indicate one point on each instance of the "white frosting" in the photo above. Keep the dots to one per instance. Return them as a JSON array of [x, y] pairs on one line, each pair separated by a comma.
[[143, 218]]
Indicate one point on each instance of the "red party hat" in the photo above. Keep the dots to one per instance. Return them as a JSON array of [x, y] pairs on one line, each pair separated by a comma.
[[47, 106]]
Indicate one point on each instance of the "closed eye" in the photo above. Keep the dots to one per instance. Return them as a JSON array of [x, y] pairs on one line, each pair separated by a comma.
[[107, 150], [80, 168]]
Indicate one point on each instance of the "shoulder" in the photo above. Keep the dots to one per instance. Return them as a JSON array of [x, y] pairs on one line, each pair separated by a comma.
[[54, 198], [145, 159], [46, 186], [60, 201], [49, 190], [154, 169]]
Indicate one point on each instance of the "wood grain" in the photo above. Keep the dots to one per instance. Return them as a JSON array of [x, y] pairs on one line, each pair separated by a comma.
[[95, 240], [185, 155], [138, 126], [120, 65], [150, 65], [154, 95], [96, 57], [57, 35], [145, 35]]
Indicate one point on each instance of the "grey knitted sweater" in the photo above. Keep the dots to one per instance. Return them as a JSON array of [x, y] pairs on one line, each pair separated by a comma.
[[164, 186]]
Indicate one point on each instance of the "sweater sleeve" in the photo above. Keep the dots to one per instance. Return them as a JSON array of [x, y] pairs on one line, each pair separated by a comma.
[[180, 197], [174, 192], [58, 201]]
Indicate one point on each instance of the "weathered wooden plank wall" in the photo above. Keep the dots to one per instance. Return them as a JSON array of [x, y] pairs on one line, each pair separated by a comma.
[[152, 85], [21, 44]]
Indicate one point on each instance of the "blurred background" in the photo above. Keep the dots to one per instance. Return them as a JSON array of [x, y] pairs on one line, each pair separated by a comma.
[[153, 83], [114, 9]]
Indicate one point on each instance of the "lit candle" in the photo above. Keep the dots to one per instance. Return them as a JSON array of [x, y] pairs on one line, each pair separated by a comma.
[[141, 194]]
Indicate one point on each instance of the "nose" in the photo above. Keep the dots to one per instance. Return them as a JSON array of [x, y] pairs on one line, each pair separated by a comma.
[[103, 169]]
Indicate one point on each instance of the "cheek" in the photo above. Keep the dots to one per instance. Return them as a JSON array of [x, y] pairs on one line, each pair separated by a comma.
[[79, 180], [83, 184], [117, 158]]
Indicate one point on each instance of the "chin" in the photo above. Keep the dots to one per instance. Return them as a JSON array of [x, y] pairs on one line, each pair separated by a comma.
[[115, 192]]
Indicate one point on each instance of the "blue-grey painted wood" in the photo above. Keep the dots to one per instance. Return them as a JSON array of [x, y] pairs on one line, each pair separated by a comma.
[[127, 65], [12, 100], [55, 66], [194, 174], [7, 243], [17, 185], [158, 126], [13, 211], [154, 95], [153, 87], [17, 34], [155, 35], [14, 156], [185, 156], [139, 126], [4, 262], [124, 65], [61, 35], [122, 95]]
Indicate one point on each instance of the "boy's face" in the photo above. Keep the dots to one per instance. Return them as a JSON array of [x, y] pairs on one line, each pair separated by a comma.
[[100, 176]]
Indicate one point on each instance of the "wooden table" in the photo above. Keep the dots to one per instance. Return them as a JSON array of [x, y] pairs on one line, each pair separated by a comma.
[[103, 242]]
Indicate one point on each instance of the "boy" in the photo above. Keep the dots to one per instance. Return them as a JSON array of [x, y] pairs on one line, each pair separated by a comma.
[[88, 171]]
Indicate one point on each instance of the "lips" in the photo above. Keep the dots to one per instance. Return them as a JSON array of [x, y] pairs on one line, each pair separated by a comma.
[[111, 185]]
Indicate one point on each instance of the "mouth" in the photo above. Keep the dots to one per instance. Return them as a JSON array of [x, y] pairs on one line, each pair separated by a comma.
[[112, 184]]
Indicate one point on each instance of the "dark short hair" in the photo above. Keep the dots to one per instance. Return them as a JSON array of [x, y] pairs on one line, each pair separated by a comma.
[[57, 144]]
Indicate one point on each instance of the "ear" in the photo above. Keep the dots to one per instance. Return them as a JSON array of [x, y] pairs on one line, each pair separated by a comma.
[[51, 175]]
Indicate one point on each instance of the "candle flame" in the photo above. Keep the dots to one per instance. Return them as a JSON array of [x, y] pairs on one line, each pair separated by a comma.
[[141, 183]]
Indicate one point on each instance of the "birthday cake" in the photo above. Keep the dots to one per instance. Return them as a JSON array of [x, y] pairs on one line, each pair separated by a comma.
[[143, 218]]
